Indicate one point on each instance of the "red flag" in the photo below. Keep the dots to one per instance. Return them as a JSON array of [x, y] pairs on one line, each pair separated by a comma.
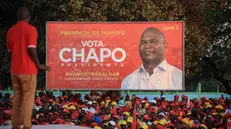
[[134, 118]]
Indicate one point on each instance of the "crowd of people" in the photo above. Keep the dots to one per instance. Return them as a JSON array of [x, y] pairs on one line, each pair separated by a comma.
[[101, 111]]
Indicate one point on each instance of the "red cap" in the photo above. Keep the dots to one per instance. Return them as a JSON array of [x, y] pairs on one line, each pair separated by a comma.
[[66, 110], [183, 96], [94, 124], [138, 102], [50, 113], [173, 112], [156, 98], [147, 117], [41, 114], [116, 116], [83, 106], [176, 97], [56, 113], [38, 102]]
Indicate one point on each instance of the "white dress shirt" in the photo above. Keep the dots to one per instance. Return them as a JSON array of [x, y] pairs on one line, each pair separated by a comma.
[[164, 77]]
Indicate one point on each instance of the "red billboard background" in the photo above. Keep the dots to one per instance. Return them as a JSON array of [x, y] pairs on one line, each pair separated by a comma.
[[97, 38]]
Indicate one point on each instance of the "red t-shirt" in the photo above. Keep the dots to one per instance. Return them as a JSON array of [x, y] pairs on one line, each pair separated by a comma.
[[19, 38]]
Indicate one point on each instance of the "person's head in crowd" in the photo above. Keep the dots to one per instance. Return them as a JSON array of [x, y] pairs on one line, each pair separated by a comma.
[[94, 124], [48, 94], [163, 98], [63, 93], [50, 102], [154, 126], [87, 97], [123, 124], [102, 111], [168, 108], [40, 94], [153, 103], [126, 115], [57, 100], [143, 103], [7, 96], [41, 110], [148, 110], [83, 112], [129, 122], [55, 108], [108, 111], [143, 126], [94, 104], [50, 117], [89, 104], [161, 115], [146, 118], [114, 104], [55, 115], [40, 117], [229, 105], [110, 105], [111, 125], [118, 111], [159, 102], [72, 109], [51, 95], [176, 98], [115, 117], [183, 126], [105, 126], [219, 108], [127, 98], [153, 116], [184, 98]]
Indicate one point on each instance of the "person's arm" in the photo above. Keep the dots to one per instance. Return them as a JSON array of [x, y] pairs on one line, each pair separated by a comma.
[[34, 56], [32, 43]]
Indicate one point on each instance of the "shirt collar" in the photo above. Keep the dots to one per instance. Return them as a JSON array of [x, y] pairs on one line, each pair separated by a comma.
[[23, 22], [162, 66]]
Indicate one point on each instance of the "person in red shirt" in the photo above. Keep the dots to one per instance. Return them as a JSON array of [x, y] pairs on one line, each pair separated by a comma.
[[21, 41]]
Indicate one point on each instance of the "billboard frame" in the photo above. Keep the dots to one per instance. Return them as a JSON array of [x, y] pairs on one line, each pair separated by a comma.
[[121, 22]]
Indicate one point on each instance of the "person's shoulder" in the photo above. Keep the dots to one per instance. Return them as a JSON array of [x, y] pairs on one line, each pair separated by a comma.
[[32, 28], [129, 77], [133, 74], [10, 30], [174, 69]]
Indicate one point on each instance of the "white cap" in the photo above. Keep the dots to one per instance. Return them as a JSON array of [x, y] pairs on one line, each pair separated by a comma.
[[112, 123], [90, 102], [84, 110], [143, 101], [161, 114], [153, 101]]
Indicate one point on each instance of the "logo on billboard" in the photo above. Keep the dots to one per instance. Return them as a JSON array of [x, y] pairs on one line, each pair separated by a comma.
[[167, 28]]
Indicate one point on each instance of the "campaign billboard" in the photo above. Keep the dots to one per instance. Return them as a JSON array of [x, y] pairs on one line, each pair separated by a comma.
[[115, 55]]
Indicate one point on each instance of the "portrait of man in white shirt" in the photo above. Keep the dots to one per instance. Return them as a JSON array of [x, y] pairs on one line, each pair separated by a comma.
[[155, 73]]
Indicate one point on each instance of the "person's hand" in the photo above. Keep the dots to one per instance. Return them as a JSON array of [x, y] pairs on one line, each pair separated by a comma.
[[44, 67]]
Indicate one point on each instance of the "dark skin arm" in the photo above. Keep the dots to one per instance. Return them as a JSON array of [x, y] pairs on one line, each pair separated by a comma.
[[34, 57]]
